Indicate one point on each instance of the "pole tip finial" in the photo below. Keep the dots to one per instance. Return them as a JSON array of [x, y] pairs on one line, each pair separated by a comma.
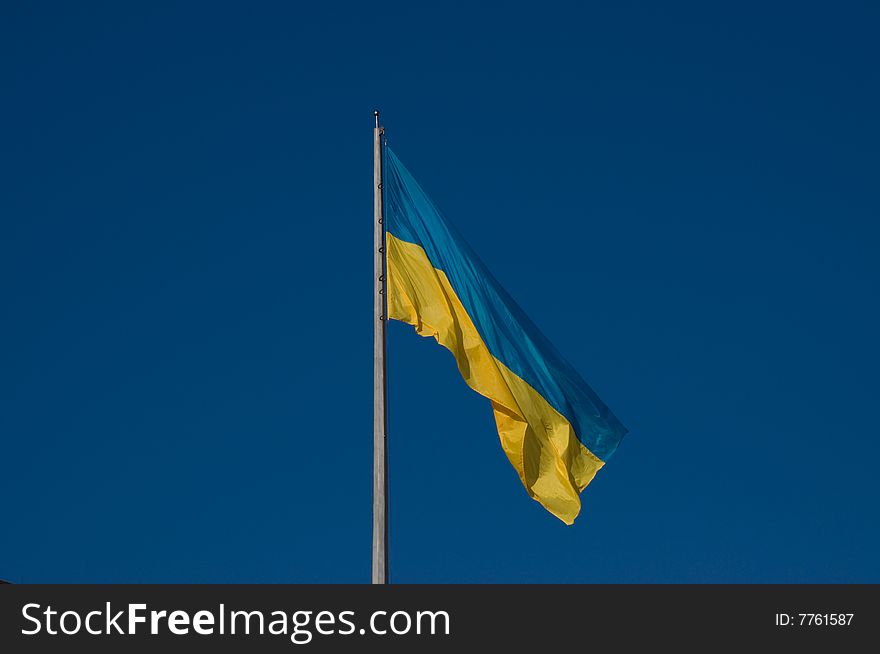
[[376, 114]]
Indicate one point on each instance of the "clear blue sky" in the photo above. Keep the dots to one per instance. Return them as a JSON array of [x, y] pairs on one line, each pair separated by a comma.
[[683, 197]]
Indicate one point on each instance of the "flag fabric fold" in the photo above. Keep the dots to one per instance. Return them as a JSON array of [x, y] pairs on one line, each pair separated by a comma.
[[554, 429]]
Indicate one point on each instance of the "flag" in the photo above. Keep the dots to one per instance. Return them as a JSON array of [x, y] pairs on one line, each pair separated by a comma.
[[554, 429]]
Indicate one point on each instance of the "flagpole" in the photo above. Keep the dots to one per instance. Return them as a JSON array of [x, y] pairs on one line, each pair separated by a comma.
[[380, 405]]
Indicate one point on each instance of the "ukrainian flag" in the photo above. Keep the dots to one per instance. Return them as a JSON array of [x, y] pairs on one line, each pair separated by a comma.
[[555, 430]]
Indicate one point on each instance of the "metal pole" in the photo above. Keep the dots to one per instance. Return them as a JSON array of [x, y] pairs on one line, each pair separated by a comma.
[[380, 423]]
